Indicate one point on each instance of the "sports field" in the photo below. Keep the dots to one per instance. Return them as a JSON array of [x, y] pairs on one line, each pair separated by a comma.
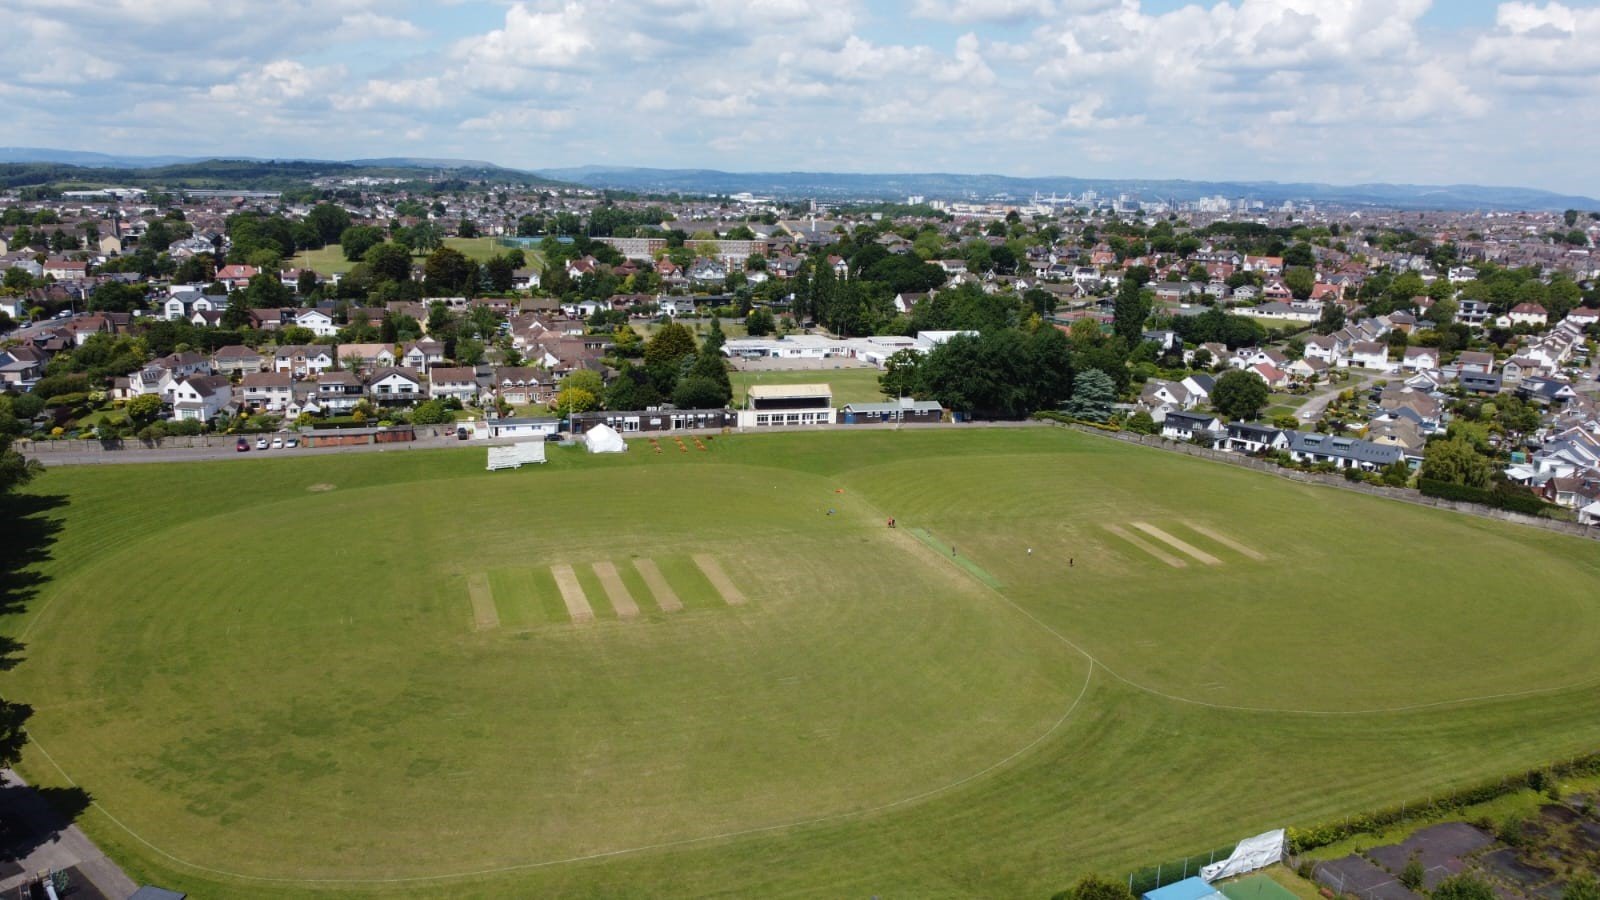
[[679, 674], [330, 259], [849, 385]]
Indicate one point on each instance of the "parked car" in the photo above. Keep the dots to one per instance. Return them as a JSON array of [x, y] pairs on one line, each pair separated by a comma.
[[241, 445], [292, 443], [461, 434], [277, 443], [261, 443]]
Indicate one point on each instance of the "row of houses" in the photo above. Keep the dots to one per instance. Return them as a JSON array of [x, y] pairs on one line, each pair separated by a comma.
[[196, 393], [1306, 447]]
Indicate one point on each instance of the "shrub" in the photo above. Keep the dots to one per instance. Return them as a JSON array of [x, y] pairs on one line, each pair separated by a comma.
[[1411, 876]]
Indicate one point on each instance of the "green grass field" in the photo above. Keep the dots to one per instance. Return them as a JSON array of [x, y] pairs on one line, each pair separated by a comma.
[[360, 674], [330, 259], [849, 385]]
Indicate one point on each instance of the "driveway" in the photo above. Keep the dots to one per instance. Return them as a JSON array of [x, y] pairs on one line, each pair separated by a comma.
[[1314, 407]]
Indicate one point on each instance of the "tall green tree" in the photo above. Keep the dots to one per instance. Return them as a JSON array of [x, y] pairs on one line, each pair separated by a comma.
[[1239, 395], [666, 354], [328, 221], [1130, 310], [1456, 461], [1093, 392]]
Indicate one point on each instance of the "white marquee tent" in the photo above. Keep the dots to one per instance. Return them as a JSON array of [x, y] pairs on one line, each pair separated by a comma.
[[604, 439]]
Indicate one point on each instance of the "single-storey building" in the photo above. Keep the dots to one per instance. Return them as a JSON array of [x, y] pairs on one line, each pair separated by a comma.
[[902, 410], [630, 421]]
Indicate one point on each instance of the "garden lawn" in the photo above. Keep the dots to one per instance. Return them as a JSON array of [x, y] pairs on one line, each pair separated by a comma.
[[330, 260], [266, 672]]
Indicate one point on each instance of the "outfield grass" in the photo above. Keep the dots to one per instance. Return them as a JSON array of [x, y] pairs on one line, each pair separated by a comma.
[[330, 260], [300, 694], [849, 385]]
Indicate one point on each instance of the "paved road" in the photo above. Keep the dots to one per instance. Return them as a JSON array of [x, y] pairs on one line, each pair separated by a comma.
[[73, 453], [1312, 410], [223, 449], [53, 843]]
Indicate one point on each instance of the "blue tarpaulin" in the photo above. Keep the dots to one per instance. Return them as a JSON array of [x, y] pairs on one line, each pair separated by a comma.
[[1187, 889]]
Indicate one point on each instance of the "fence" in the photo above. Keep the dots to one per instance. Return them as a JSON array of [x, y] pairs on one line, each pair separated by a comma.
[[1172, 871], [1404, 495], [73, 445]]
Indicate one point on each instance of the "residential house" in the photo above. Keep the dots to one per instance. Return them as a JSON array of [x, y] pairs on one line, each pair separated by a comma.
[[1342, 452], [21, 367], [1398, 431], [1368, 355], [1478, 361], [523, 385], [1248, 437], [338, 392], [319, 322], [1473, 312], [1185, 426], [1199, 386], [237, 359], [421, 356], [676, 306], [1480, 382], [201, 398], [458, 383], [303, 361], [1161, 398], [269, 391], [236, 277], [1417, 358], [367, 357], [1528, 314], [393, 386], [1275, 377], [66, 269]]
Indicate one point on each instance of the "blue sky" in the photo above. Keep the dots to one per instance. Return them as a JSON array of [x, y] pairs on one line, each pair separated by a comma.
[[1325, 90]]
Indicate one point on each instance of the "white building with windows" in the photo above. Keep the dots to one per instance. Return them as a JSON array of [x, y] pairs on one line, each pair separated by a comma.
[[784, 405]]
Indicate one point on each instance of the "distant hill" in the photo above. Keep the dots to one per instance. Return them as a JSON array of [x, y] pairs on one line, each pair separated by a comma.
[[237, 173], [29, 166], [84, 158], [956, 186]]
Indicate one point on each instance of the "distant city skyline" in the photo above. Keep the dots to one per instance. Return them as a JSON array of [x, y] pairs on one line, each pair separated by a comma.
[[1340, 91]]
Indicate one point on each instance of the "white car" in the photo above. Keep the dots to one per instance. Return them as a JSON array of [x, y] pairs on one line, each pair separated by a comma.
[[261, 443], [292, 443], [277, 443]]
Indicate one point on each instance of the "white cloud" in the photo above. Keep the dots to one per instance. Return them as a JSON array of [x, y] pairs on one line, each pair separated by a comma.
[[1549, 41], [368, 25], [555, 39], [1259, 88]]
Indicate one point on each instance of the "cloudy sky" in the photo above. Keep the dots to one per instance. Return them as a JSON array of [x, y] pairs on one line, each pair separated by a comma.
[[1326, 90]]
